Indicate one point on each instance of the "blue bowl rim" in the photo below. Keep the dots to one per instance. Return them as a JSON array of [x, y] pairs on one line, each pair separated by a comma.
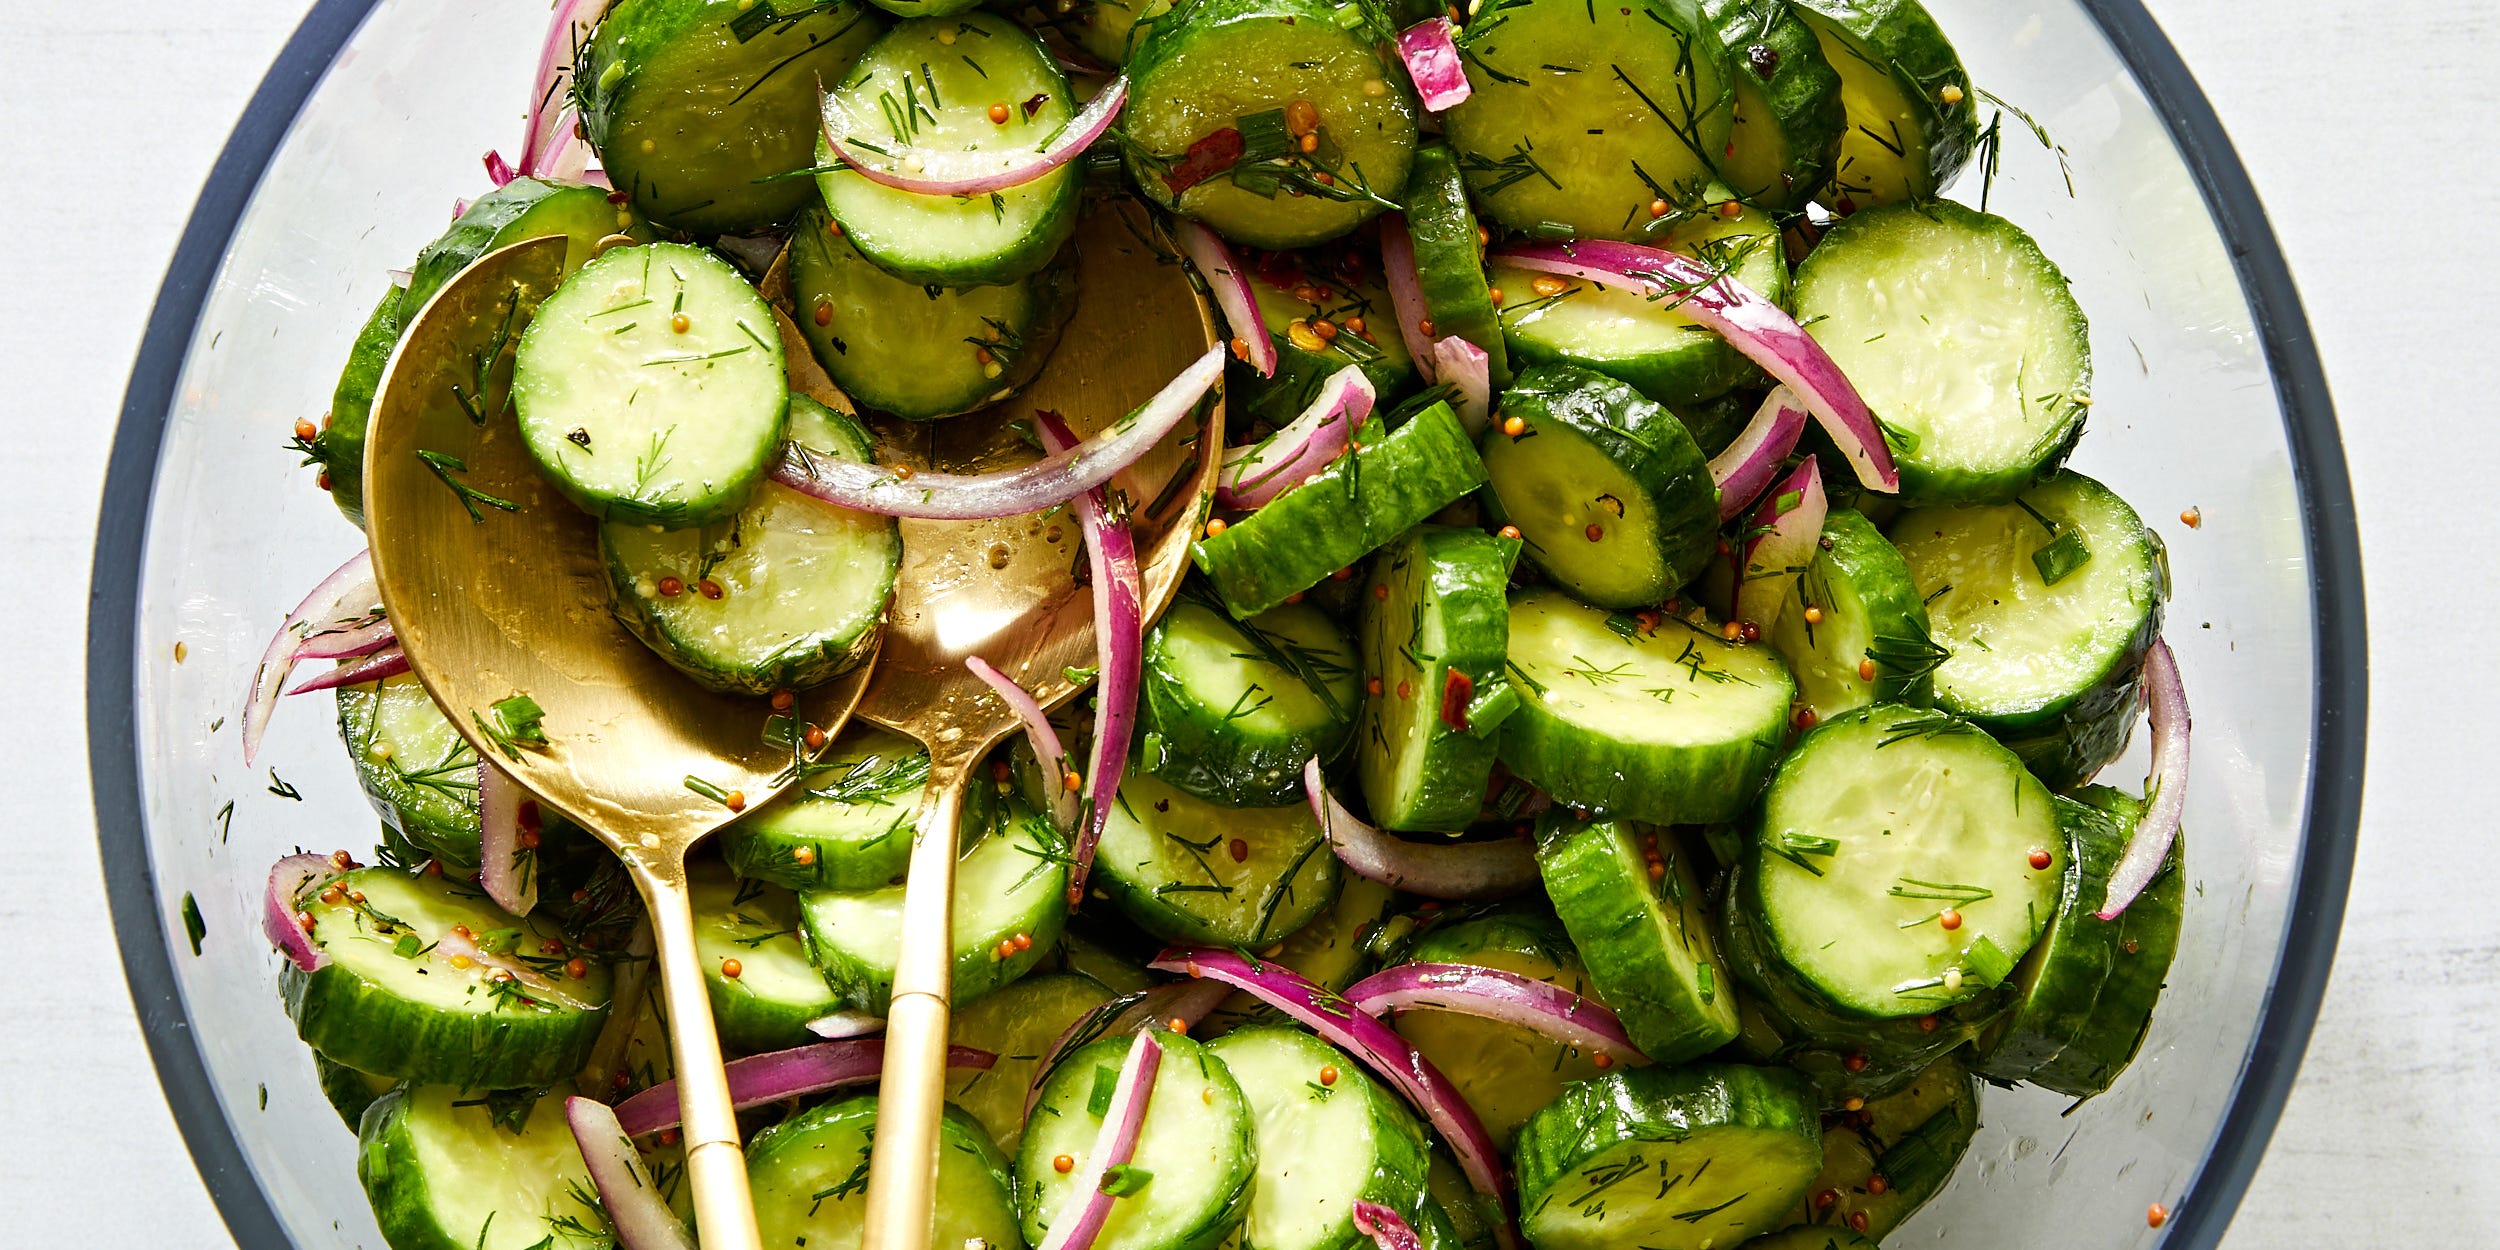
[[2341, 674]]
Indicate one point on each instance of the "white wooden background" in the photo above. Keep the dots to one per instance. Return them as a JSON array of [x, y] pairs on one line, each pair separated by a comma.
[[2366, 124]]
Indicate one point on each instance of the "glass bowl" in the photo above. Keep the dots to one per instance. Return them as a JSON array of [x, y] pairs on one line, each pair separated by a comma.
[[2209, 395]]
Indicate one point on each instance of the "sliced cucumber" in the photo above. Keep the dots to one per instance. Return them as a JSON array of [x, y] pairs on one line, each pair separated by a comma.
[[1196, 1143], [1854, 630], [1230, 710], [1789, 117], [2048, 605], [753, 926], [1361, 500], [639, 422], [1811, 1237], [1611, 494], [1910, 1139], [447, 1170], [1474, 1220], [1962, 337], [934, 80], [1449, 258], [1187, 870], [1913, 116], [700, 110], [416, 770], [1361, 330], [1715, 423], [1107, 30], [1506, 1073], [1667, 723], [847, 826], [1017, 1024], [349, 1092], [1583, 117], [1222, 94], [1666, 1158], [2085, 995], [918, 351], [1645, 933], [338, 450], [1113, 957], [1327, 1136], [1891, 869], [809, 1176], [1435, 630]]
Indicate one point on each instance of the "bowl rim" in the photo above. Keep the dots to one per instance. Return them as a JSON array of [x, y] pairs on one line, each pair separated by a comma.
[[2340, 674]]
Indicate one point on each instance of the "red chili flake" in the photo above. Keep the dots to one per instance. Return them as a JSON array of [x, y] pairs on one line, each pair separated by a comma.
[[1456, 694], [1040, 98], [1205, 159], [529, 818]]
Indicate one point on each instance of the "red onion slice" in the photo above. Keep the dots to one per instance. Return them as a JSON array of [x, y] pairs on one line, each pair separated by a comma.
[[1385, 1227], [1431, 57], [846, 1024], [1456, 870], [1081, 1221], [2165, 789], [1493, 994], [347, 595], [1754, 458], [969, 173], [498, 170], [1751, 324], [390, 661], [1230, 284], [1185, 1001], [552, 113], [1254, 476], [1119, 653], [1041, 733], [1406, 295], [507, 869], [1784, 532], [1046, 483], [776, 1075], [401, 278], [346, 642], [289, 879], [1464, 365], [636, 1210]]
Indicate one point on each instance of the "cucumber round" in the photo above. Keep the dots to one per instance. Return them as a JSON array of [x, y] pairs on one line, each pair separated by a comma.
[[1449, 258], [1645, 936], [1326, 1137], [1474, 1220], [1681, 1158], [700, 111], [1913, 117], [1018, 1024], [337, 452], [1666, 724], [802, 585], [636, 421], [1912, 1139], [1891, 869], [1219, 81], [1789, 117], [809, 1176], [941, 76], [348, 1091], [1715, 423], [1869, 613], [1962, 337], [1611, 496], [1187, 870], [447, 1170], [1435, 630], [756, 925], [415, 768], [846, 826], [1106, 30], [1365, 333], [2047, 605], [1583, 117], [1230, 710], [1196, 1141], [1113, 958], [1811, 1237], [1505, 1073]]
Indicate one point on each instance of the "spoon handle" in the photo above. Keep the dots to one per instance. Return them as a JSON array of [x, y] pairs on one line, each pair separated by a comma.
[[903, 1163], [716, 1165]]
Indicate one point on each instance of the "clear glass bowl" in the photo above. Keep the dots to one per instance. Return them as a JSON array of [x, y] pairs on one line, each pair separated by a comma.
[[2208, 395]]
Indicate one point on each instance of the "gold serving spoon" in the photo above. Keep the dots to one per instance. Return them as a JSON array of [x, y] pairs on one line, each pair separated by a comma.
[[495, 587]]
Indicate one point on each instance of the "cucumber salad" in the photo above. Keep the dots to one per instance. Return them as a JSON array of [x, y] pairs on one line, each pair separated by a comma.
[[1625, 768]]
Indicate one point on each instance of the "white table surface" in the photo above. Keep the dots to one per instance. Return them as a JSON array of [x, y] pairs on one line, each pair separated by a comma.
[[2365, 124]]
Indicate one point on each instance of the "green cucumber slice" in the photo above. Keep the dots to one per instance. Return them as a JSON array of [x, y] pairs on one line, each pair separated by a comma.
[[846, 826], [348, 1091], [756, 925], [1435, 630], [1187, 870], [1867, 612], [1449, 258], [1107, 30], [1196, 1140], [1326, 1136], [1584, 116], [1017, 1024], [1215, 130], [1609, 491], [1474, 1223], [338, 450], [788, 593], [1891, 869], [941, 75], [1913, 116], [638, 422], [1811, 1237], [446, 1170], [1095, 951], [1667, 724], [1681, 1158], [1366, 334], [1912, 1139], [1715, 423], [2050, 667], [1645, 935], [809, 1176], [700, 111], [416, 770], [1505, 1073], [1230, 710], [1361, 500], [1962, 337], [1789, 117]]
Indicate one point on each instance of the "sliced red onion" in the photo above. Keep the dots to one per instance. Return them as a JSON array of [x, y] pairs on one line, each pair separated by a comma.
[[1230, 284], [1081, 1220], [2165, 789], [926, 171], [348, 594], [1781, 544], [1493, 994], [637, 1211], [1254, 476], [1431, 57], [344, 642], [846, 1024], [769, 1078], [1381, 1049], [498, 170], [1455, 870], [535, 984], [1385, 1227], [1186, 1001], [1041, 733], [1464, 365], [289, 879], [1119, 652], [1406, 295], [390, 661], [1750, 323], [402, 277], [460, 208], [507, 869], [1755, 457], [1046, 483], [552, 114]]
